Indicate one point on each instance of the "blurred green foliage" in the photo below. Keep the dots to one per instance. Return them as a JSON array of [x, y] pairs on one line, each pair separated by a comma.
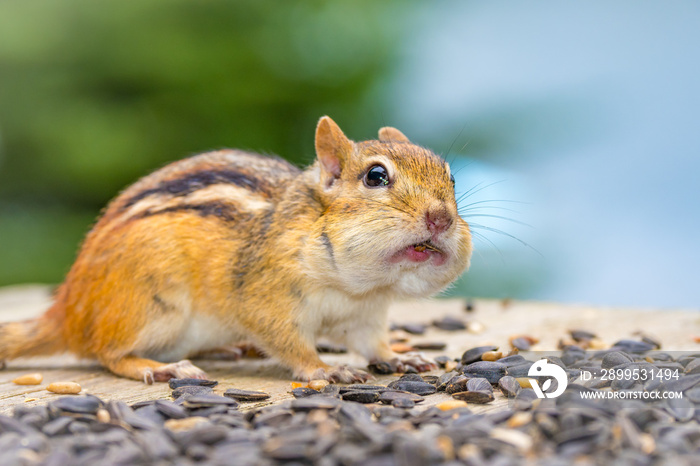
[[94, 95]]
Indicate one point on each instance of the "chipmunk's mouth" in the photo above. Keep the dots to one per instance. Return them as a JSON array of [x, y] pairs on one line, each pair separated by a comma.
[[420, 252]]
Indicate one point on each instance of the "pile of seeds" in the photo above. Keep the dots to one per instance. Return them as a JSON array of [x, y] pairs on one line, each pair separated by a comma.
[[384, 425]]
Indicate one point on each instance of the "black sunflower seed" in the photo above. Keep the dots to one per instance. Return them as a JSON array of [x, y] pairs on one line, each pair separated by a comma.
[[509, 386], [175, 383], [479, 384], [521, 343], [615, 358], [361, 396], [414, 329], [582, 335], [303, 392], [443, 360], [457, 384], [191, 390], [77, 404], [315, 402], [381, 368], [632, 346], [358, 386], [388, 397], [403, 403], [450, 324], [491, 371], [208, 400], [419, 388], [170, 409], [474, 354], [429, 345], [246, 395], [476, 396]]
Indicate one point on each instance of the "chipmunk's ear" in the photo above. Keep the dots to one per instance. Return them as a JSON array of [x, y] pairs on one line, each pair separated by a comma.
[[392, 134], [332, 149]]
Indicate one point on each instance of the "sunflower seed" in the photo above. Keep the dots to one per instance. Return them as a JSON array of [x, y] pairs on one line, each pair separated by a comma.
[[382, 368], [361, 396], [315, 402], [429, 346], [365, 387], [479, 384], [419, 388], [474, 354], [414, 329], [582, 335], [615, 358], [450, 324], [513, 360], [632, 346], [64, 387], [170, 409], [403, 403], [476, 396], [77, 404], [208, 401], [509, 386], [245, 395], [521, 343], [303, 392], [175, 383], [191, 390], [491, 371], [29, 379], [388, 397], [444, 379], [521, 370]]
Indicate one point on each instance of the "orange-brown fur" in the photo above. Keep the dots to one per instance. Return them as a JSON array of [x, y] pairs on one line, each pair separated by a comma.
[[230, 246]]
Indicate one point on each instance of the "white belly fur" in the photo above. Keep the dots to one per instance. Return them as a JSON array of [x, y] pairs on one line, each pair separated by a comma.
[[200, 332]]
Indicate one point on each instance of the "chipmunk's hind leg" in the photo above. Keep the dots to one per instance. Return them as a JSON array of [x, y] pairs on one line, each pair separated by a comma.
[[231, 352], [151, 371], [224, 353]]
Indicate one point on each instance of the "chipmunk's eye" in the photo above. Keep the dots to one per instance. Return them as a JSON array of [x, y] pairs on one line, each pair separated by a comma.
[[377, 176]]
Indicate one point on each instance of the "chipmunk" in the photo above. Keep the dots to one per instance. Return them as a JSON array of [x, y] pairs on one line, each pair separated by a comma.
[[231, 246]]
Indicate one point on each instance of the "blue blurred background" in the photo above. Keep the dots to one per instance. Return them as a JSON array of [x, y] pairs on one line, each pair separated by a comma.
[[571, 127]]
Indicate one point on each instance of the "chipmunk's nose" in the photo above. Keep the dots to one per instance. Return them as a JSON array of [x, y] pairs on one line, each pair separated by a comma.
[[438, 220]]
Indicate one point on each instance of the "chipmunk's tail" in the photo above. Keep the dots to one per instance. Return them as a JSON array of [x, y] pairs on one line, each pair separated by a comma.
[[34, 337]]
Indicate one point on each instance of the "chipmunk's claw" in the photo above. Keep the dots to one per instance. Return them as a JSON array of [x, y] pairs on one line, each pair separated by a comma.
[[404, 362], [177, 370], [340, 374], [418, 361]]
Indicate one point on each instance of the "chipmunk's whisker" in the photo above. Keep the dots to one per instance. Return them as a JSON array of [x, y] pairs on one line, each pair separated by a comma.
[[499, 217], [474, 189], [501, 232]]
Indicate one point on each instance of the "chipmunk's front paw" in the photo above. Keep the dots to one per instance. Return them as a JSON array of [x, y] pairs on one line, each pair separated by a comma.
[[417, 361], [338, 374], [177, 370]]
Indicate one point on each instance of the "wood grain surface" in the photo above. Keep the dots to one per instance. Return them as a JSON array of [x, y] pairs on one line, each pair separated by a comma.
[[497, 320]]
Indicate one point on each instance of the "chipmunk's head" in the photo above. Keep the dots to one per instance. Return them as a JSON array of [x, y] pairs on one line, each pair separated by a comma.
[[390, 217]]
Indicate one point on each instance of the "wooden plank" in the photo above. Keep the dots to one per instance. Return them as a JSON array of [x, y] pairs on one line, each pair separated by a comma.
[[499, 320]]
